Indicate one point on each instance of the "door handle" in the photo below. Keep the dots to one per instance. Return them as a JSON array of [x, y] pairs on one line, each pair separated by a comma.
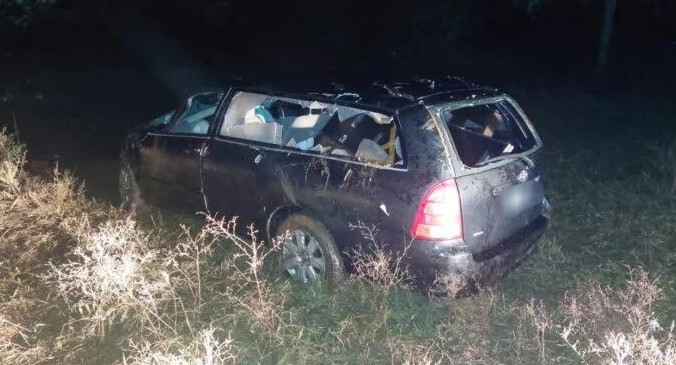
[[204, 150], [258, 158]]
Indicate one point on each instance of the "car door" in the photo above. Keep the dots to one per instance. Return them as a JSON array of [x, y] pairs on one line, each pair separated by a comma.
[[171, 158], [267, 154], [231, 183], [346, 186]]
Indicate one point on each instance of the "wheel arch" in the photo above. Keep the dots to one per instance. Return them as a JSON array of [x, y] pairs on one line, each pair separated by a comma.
[[277, 216]]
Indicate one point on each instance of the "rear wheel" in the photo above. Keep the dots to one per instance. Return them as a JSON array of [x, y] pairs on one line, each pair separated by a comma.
[[130, 194], [309, 253]]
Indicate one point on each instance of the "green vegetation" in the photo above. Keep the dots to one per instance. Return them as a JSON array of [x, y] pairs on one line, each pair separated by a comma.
[[21, 13], [82, 283]]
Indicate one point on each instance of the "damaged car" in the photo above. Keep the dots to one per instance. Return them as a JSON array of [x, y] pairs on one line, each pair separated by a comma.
[[449, 173]]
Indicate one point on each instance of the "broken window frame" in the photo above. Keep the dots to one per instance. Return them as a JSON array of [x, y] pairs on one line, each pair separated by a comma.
[[394, 122], [442, 128], [165, 127]]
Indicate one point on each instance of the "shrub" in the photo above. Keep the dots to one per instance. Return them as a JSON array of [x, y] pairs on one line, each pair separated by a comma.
[[114, 274], [372, 260], [204, 349], [606, 326], [15, 344], [203, 295]]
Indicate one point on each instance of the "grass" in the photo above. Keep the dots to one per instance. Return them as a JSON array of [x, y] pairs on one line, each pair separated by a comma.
[[82, 283]]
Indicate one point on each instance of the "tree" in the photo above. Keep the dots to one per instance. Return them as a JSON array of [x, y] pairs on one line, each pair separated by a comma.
[[21, 13], [606, 32]]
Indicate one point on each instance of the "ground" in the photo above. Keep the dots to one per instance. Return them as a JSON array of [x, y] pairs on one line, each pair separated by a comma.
[[612, 189]]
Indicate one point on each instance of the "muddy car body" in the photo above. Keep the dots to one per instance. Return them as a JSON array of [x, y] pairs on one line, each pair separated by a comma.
[[450, 171]]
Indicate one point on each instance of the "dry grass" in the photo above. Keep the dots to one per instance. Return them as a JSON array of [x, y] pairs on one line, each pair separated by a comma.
[[374, 262], [606, 326], [256, 299], [202, 295], [16, 344], [113, 275], [12, 160], [205, 349], [39, 216]]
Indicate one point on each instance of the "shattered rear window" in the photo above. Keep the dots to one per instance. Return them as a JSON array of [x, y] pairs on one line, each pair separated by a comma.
[[484, 131]]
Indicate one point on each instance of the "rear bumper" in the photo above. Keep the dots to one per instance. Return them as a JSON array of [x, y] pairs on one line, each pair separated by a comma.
[[435, 262]]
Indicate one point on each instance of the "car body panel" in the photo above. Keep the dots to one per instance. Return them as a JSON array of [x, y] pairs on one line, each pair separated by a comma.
[[500, 198], [170, 171], [170, 164], [234, 177]]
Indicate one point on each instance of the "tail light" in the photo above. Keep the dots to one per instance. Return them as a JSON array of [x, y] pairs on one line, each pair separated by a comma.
[[439, 216]]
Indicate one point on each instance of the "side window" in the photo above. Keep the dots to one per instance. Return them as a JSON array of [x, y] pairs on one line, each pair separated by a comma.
[[196, 114], [309, 125]]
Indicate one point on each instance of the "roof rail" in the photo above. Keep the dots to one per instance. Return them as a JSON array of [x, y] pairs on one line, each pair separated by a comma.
[[392, 90]]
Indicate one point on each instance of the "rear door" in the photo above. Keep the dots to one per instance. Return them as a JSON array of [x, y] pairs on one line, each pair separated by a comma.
[[499, 171], [272, 151], [170, 159]]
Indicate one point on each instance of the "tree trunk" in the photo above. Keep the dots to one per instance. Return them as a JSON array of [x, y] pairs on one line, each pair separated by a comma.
[[606, 31]]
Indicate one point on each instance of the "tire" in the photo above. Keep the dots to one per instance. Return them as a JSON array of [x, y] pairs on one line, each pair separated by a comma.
[[130, 194], [316, 258]]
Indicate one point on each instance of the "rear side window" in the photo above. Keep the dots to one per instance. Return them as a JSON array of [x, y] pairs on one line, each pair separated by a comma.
[[314, 126], [484, 131]]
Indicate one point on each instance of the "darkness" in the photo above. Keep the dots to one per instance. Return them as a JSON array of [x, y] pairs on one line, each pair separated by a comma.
[[75, 74]]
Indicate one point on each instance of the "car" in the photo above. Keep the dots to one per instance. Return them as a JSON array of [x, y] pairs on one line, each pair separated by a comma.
[[449, 172]]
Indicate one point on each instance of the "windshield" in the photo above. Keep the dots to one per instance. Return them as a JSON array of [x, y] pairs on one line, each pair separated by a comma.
[[481, 132]]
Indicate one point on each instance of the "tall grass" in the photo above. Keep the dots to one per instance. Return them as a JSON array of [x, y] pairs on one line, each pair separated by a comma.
[[602, 325], [84, 283]]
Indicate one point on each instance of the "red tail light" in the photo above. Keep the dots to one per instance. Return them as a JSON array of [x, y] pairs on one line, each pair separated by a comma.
[[439, 216]]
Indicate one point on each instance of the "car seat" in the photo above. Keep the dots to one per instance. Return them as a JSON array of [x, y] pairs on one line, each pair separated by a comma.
[[370, 151], [200, 127], [261, 132], [258, 114]]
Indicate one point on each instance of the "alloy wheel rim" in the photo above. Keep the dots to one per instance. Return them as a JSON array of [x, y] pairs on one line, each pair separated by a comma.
[[303, 257]]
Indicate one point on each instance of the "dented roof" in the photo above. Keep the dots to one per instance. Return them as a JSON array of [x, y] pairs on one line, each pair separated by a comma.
[[387, 95]]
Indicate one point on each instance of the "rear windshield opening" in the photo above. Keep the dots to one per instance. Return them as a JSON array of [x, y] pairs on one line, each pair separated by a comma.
[[482, 132]]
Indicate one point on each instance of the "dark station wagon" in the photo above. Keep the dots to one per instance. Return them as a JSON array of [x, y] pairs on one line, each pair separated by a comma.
[[448, 169]]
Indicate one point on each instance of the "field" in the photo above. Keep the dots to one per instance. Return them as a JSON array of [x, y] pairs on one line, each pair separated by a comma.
[[82, 283]]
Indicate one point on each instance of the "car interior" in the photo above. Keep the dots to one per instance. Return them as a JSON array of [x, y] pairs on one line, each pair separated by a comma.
[[198, 112], [315, 126], [484, 131]]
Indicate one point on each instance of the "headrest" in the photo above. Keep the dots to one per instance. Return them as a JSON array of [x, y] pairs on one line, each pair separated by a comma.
[[251, 117], [258, 114]]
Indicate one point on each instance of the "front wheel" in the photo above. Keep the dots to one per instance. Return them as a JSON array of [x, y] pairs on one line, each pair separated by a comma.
[[130, 194], [309, 253]]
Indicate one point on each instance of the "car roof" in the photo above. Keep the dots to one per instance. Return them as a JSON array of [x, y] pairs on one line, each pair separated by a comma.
[[390, 96]]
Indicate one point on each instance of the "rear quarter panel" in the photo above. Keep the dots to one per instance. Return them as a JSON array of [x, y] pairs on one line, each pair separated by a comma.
[[427, 164]]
